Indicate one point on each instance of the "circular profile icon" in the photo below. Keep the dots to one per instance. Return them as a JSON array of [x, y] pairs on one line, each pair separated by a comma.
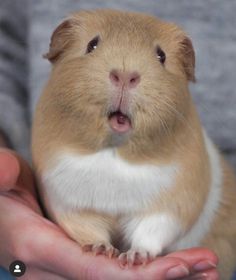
[[17, 268]]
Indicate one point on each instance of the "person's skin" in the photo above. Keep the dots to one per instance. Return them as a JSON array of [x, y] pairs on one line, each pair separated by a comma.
[[49, 254]]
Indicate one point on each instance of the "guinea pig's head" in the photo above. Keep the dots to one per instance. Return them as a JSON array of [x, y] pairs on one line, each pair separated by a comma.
[[119, 75]]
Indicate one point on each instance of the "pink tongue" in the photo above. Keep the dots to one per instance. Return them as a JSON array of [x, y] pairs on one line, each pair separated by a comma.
[[120, 122]]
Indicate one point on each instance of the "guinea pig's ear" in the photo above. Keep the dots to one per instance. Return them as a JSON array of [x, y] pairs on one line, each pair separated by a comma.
[[60, 40], [188, 58]]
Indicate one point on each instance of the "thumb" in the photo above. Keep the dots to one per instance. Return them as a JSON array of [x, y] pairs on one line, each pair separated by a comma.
[[15, 173], [16, 177], [9, 170]]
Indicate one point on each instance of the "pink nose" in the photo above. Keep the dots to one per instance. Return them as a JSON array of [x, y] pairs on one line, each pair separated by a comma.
[[121, 79]]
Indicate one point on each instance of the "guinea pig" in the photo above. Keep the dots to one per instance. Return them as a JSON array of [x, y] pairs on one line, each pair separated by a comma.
[[121, 158]]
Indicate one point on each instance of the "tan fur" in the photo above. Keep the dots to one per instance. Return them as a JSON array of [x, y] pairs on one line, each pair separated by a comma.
[[72, 115], [89, 227], [222, 237]]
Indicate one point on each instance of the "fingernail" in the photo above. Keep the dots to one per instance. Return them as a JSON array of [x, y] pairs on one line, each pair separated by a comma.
[[177, 271], [204, 265]]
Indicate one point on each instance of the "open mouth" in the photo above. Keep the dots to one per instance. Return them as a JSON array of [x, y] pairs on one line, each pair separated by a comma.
[[119, 122]]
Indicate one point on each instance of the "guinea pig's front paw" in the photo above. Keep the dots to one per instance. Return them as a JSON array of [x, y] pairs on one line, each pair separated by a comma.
[[101, 249], [134, 257]]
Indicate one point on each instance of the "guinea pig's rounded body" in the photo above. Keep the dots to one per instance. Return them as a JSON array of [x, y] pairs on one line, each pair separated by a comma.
[[119, 152]]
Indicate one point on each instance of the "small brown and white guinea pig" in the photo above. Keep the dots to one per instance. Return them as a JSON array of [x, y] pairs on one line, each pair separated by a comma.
[[121, 158]]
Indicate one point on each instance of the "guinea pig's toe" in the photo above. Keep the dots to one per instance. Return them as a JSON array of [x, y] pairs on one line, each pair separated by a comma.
[[101, 249], [106, 249], [133, 257], [87, 247], [144, 257], [112, 252]]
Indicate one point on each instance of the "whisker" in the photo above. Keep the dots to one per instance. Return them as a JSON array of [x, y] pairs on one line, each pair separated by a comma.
[[180, 117], [170, 109]]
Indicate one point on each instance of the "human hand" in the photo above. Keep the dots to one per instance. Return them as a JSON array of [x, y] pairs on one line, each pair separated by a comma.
[[49, 254]]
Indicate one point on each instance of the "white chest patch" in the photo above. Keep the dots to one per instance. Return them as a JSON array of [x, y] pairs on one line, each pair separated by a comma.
[[104, 182]]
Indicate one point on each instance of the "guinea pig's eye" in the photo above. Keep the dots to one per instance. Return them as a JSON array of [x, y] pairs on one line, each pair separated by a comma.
[[92, 45], [161, 55]]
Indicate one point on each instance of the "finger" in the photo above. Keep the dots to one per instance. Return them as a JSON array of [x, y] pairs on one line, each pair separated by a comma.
[[207, 275], [17, 179], [165, 268], [19, 170], [200, 259], [9, 170], [15, 171]]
